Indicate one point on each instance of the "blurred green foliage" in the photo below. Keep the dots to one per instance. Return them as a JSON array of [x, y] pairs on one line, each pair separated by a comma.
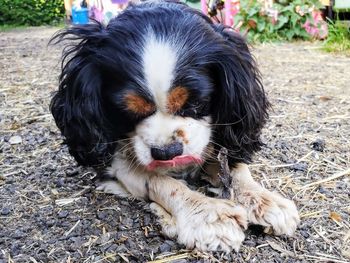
[[285, 21], [31, 12], [338, 39]]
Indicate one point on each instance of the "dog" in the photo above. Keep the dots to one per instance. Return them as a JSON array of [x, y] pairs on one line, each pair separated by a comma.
[[150, 99]]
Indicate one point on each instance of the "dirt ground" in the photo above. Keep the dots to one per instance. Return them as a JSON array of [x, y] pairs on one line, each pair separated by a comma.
[[50, 211]]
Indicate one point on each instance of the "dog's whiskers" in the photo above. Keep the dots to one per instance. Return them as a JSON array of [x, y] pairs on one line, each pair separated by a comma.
[[126, 147], [115, 142], [227, 124]]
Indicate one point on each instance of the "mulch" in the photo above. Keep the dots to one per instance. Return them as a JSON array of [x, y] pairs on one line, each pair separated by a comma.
[[51, 212]]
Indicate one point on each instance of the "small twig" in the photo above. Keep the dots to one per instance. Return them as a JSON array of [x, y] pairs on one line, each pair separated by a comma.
[[311, 214], [291, 164], [70, 230], [345, 116], [335, 176], [113, 257], [284, 165], [66, 201], [33, 118], [280, 249], [291, 101], [12, 173], [327, 259], [329, 242], [33, 260], [10, 259], [224, 174], [262, 245], [230, 184], [170, 259]]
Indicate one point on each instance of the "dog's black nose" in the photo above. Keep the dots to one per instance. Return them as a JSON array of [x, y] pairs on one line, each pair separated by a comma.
[[167, 152]]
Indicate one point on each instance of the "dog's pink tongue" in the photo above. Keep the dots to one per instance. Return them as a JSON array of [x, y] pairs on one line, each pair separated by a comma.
[[176, 161]]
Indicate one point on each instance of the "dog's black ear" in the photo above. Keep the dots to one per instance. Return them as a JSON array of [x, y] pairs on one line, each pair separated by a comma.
[[239, 107], [76, 106]]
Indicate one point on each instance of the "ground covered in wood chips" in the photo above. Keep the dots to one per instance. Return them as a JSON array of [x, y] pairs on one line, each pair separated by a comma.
[[50, 211]]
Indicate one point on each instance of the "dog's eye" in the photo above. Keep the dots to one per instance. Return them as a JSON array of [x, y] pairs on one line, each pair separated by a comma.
[[196, 109]]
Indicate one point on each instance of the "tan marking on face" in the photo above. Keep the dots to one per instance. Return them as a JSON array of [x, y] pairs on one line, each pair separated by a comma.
[[181, 133], [177, 98], [138, 105]]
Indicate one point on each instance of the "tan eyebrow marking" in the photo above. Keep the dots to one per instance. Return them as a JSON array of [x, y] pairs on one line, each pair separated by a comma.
[[138, 105], [177, 98]]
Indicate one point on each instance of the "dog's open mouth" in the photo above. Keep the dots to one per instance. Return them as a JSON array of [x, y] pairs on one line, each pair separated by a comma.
[[175, 162]]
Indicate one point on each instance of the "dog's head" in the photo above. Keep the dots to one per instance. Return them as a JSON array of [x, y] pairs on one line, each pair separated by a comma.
[[162, 81]]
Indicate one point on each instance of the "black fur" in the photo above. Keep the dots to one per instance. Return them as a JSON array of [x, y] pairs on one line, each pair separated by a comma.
[[241, 101], [102, 63]]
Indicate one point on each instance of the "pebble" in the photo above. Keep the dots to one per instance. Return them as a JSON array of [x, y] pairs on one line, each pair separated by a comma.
[[103, 239], [15, 248], [50, 223], [170, 242], [318, 145], [10, 180], [125, 203], [304, 233], [5, 211], [18, 234], [112, 248], [102, 215], [250, 243], [341, 185], [146, 220], [127, 222], [15, 139], [130, 244], [121, 249], [59, 182], [322, 190], [299, 167], [71, 172], [77, 243], [165, 247], [63, 214], [76, 255]]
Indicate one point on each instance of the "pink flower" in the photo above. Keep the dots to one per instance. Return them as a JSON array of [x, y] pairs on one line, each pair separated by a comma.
[[273, 13], [318, 27]]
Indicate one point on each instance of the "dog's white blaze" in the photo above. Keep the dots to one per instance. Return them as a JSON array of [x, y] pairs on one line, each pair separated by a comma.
[[159, 61]]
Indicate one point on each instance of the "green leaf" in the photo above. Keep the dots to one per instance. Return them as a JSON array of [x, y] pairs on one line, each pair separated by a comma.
[[282, 20], [294, 19], [261, 25], [289, 8], [290, 34], [253, 12]]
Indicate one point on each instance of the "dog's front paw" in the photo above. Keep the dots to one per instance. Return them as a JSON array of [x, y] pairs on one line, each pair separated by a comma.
[[166, 220], [272, 210], [206, 224]]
